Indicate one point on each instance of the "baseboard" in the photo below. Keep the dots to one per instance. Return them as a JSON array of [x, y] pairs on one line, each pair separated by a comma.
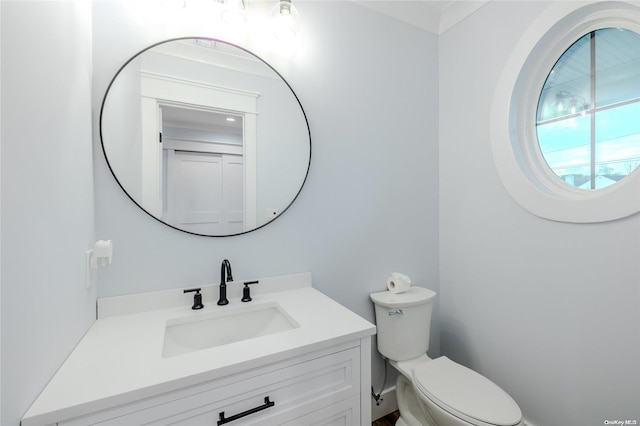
[[388, 404]]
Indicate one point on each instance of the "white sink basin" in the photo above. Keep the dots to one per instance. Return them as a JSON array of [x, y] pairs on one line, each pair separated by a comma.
[[208, 330]]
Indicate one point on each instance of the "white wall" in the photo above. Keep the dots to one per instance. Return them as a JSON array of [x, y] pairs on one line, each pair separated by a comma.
[[548, 310], [369, 87], [47, 193]]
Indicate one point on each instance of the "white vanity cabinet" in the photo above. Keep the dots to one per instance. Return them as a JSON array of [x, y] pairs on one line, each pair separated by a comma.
[[319, 388], [316, 372]]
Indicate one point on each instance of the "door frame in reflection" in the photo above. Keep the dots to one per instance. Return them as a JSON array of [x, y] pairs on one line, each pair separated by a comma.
[[157, 90]]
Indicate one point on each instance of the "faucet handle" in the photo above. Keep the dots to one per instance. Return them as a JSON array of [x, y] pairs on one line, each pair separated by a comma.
[[246, 292], [197, 298]]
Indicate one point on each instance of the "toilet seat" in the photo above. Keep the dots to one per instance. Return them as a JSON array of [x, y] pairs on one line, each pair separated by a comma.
[[465, 394]]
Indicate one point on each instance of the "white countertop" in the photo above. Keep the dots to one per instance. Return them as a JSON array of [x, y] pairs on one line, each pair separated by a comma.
[[120, 358]]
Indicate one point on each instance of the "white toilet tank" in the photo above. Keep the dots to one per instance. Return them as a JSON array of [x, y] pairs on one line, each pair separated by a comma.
[[403, 321]]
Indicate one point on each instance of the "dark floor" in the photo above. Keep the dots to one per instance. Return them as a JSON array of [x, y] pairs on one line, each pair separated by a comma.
[[388, 420]]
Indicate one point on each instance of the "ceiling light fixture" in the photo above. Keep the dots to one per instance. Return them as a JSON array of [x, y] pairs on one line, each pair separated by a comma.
[[568, 103], [285, 20]]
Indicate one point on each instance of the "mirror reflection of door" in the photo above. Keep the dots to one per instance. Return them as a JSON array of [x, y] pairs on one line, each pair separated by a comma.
[[208, 192], [203, 177], [182, 77]]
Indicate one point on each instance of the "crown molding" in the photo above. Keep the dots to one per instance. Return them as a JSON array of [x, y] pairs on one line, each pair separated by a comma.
[[433, 16]]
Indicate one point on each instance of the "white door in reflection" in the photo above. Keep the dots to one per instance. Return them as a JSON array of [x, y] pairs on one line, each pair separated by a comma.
[[232, 194], [206, 192]]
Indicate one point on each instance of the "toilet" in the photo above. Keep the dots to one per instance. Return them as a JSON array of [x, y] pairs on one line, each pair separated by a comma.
[[436, 392]]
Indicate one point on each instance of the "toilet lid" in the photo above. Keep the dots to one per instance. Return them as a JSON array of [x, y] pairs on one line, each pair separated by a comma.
[[459, 390]]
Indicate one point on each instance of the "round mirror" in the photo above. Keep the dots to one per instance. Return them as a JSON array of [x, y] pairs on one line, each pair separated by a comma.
[[205, 136]]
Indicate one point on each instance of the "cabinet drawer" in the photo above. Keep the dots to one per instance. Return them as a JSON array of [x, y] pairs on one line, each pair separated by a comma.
[[343, 413], [294, 389]]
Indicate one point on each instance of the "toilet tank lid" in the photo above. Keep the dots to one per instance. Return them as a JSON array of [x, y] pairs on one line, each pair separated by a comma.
[[414, 296]]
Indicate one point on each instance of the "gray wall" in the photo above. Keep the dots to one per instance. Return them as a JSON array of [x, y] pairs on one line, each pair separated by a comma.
[[369, 206], [47, 193], [547, 310]]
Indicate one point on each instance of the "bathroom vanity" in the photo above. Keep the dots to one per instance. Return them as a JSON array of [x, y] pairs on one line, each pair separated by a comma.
[[291, 356]]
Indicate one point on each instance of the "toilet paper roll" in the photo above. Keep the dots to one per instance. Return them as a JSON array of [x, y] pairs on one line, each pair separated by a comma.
[[398, 283]]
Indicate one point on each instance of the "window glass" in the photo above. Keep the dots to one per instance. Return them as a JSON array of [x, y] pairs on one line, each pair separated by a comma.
[[588, 116], [567, 89], [566, 148], [617, 64], [617, 151]]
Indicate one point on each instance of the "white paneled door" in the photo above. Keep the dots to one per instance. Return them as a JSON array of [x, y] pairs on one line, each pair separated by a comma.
[[208, 192]]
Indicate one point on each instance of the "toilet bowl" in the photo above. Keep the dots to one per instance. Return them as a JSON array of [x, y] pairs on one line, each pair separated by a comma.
[[436, 392]]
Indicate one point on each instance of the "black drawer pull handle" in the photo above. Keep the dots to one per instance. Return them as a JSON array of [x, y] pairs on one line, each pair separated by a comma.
[[266, 405]]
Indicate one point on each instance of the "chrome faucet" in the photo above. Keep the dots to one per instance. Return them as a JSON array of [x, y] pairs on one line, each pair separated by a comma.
[[225, 276]]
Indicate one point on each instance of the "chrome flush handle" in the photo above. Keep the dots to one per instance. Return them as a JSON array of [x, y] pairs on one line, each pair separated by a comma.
[[396, 312]]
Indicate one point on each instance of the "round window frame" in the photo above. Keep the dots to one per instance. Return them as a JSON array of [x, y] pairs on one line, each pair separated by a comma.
[[522, 168]]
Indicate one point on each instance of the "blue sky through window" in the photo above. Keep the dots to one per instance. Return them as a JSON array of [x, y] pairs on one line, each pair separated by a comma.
[[579, 138]]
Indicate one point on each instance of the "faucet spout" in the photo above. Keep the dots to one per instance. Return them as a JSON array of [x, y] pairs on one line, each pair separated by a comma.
[[225, 276]]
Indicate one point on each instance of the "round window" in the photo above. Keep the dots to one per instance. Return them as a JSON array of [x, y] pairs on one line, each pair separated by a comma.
[[565, 117], [588, 116]]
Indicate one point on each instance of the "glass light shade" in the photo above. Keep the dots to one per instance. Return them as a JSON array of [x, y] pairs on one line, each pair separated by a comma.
[[285, 20], [233, 12]]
